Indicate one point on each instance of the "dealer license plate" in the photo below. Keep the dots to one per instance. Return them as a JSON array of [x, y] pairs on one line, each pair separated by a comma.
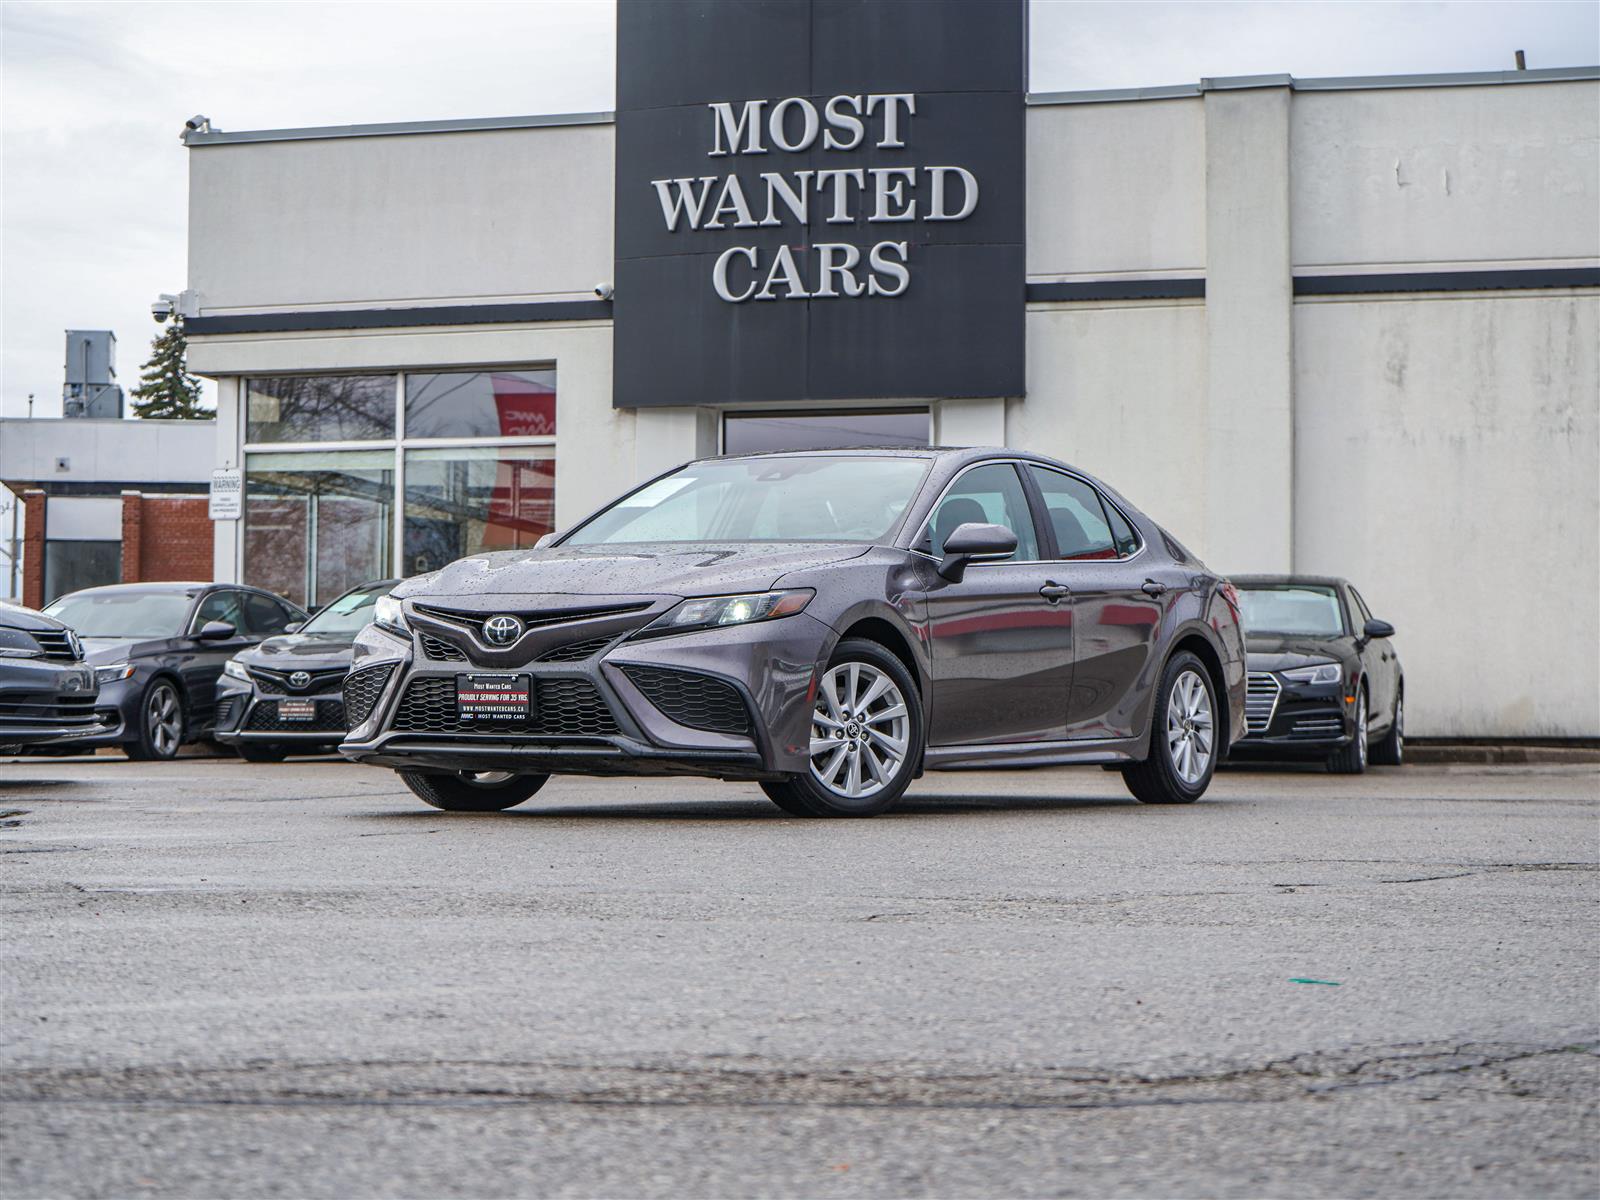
[[297, 710], [490, 698]]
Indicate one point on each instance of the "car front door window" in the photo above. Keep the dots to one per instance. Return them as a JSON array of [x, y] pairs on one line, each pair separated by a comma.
[[218, 606], [987, 495]]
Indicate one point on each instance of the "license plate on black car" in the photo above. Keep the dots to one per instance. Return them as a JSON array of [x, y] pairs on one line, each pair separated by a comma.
[[490, 698], [297, 710]]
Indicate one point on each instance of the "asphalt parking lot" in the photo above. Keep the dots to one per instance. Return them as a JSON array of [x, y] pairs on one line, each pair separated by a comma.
[[296, 980]]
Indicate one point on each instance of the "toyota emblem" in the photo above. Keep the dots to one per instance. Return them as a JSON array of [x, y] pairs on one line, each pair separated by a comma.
[[502, 630], [299, 679]]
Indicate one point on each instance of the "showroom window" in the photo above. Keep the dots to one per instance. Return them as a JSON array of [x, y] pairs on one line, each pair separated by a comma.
[[751, 433], [466, 458]]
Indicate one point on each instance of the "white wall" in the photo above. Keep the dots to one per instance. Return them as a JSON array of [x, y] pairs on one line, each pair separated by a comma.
[[1116, 189], [1447, 459], [112, 451], [480, 216], [1447, 175]]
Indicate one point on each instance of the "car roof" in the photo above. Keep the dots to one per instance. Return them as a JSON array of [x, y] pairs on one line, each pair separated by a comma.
[[1333, 581], [948, 453]]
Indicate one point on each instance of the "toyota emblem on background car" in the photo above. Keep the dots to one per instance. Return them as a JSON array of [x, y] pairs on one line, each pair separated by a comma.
[[502, 630], [299, 679]]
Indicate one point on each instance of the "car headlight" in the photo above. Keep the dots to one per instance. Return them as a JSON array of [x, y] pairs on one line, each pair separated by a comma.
[[14, 643], [711, 612], [1316, 673], [113, 672], [234, 669], [389, 614]]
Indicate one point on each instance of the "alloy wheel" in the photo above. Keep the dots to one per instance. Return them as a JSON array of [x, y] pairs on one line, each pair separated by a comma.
[[860, 730], [1189, 727], [164, 720], [1361, 727]]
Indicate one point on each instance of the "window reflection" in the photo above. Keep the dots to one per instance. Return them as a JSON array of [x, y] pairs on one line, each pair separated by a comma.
[[481, 404], [319, 408], [461, 502], [318, 523]]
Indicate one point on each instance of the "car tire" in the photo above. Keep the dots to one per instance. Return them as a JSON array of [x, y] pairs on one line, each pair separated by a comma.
[[469, 793], [161, 721], [1184, 737], [261, 752], [1390, 751], [878, 724], [1351, 759]]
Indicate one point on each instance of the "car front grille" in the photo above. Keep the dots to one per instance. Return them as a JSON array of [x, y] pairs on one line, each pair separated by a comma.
[[563, 708], [276, 683], [264, 718], [698, 701], [55, 643], [440, 650], [25, 710], [577, 651], [535, 619], [361, 691], [1260, 700]]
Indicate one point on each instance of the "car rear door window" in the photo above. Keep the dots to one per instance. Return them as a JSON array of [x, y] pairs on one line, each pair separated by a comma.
[[264, 616], [1077, 516], [988, 495]]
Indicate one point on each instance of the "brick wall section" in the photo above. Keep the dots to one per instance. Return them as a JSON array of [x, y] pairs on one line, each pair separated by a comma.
[[165, 537], [33, 548]]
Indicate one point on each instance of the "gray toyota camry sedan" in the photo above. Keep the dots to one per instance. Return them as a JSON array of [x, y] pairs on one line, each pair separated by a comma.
[[829, 624]]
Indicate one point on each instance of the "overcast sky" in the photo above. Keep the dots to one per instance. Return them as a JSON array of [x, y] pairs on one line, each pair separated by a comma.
[[93, 179]]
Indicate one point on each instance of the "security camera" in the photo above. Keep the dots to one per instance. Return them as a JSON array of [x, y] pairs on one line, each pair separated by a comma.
[[199, 123], [162, 309], [604, 290]]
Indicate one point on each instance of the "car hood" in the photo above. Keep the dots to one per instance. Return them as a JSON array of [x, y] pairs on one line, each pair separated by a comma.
[[18, 617], [103, 650], [301, 652], [1282, 652], [619, 570]]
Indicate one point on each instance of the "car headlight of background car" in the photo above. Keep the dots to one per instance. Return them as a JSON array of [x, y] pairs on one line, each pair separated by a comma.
[[388, 613], [712, 612], [1327, 672], [234, 669], [14, 643], [113, 672]]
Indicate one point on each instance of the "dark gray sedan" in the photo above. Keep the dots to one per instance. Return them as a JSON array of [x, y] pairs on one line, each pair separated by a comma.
[[829, 624], [284, 696], [158, 649]]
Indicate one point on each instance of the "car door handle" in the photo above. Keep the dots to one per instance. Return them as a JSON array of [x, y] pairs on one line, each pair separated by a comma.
[[1053, 591], [1152, 588]]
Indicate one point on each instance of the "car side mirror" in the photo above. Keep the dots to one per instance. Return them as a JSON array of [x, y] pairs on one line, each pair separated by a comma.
[[216, 631], [1375, 628], [294, 626], [974, 542]]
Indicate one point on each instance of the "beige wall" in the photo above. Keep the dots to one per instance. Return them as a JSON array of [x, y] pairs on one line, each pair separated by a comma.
[[1447, 459], [379, 221]]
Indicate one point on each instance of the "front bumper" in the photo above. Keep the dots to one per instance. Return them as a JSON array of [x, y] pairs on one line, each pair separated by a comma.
[[731, 703], [46, 702], [245, 713], [1296, 721]]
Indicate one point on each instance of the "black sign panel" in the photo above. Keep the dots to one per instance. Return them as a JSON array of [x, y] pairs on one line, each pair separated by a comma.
[[818, 200]]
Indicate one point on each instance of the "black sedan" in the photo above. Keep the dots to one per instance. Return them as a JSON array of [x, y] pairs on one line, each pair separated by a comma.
[[158, 650], [286, 695], [828, 624], [47, 694], [1325, 681]]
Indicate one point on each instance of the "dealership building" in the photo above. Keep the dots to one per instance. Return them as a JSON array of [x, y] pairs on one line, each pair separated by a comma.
[[1337, 326]]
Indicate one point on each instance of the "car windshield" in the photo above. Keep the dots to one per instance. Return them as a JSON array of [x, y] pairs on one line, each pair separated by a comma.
[[350, 613], [782, 498], [1303, 611], [121, 614]]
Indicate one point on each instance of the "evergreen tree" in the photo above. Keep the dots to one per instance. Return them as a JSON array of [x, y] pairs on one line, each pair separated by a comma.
[[166, 390]]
